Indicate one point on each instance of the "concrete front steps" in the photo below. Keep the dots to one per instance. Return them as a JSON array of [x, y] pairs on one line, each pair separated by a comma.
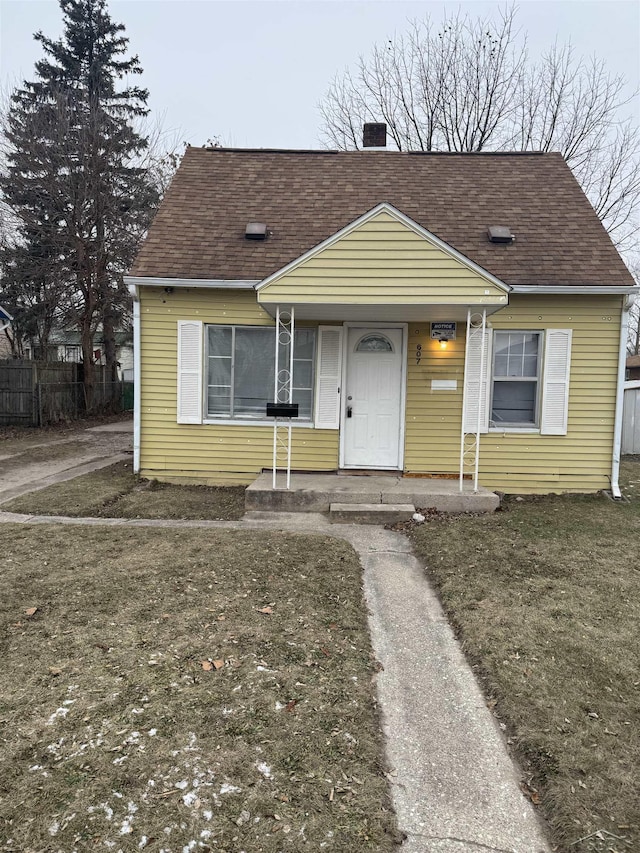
[[370, 513], [353, 496]]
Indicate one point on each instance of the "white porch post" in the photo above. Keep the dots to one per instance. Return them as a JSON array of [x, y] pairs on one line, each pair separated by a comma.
[[472, 396], [283, 393]]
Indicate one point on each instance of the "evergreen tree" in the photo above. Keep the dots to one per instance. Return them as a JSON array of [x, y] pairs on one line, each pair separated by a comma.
[[76, 177]]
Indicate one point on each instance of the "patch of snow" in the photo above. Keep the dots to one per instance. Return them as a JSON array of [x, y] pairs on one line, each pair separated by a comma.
[[120, 760], [263, 768], [125, 829], [279, 706], [190, 798], [229, 789], [205, 834], [143, 842], [181, 785], [207, 814], [60, 712], [227, 712], [152, 732], [190, 846], [137, 710], [53, 829], [36, 767]]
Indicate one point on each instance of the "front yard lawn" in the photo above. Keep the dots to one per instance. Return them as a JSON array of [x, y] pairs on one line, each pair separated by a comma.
[[546, 599], [116, 492], [186, 690]]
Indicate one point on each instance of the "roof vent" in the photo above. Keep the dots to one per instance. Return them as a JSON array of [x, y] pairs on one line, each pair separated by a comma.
[[500, 234], [256, 231], [374, 135]]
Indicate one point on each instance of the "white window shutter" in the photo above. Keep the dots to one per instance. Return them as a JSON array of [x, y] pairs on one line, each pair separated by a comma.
[[190, 359], [329, 377], [477, 387], [555, 383]]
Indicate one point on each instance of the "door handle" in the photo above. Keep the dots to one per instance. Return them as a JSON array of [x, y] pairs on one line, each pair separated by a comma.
[[349, 411]]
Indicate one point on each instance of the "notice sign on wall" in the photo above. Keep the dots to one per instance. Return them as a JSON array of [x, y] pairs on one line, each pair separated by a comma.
[[443, 331]]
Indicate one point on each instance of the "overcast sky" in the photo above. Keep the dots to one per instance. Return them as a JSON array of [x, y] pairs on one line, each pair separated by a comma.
[[252, 73]]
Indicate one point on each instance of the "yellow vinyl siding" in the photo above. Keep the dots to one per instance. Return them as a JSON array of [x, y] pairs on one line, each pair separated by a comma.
[[523, 461], [206, 453], [513, 462], [381, 262]]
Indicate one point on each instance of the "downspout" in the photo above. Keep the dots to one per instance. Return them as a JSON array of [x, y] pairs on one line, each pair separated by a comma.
[[617, 426], [135, 295]]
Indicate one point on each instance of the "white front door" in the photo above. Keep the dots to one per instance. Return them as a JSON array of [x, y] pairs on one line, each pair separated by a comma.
[[371, 418]]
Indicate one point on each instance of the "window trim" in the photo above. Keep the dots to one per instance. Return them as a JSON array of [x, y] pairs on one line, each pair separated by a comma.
[[247, 420], [515, 426]]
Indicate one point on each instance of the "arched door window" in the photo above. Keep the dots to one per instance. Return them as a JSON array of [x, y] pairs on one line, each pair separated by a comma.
[[374, 343]]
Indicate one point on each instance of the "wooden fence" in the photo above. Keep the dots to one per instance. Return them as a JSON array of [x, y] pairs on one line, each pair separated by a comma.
[[631, 418], [37, 393]]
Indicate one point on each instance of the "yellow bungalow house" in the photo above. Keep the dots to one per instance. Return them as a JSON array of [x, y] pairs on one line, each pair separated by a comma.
[[437, 315]]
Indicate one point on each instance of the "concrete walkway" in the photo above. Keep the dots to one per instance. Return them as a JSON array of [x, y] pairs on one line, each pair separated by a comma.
[[98, 447], [454, 787]]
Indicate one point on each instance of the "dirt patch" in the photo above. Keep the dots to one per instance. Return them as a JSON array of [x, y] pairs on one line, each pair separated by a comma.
[[116, 492], [187, 690], [545, 596]]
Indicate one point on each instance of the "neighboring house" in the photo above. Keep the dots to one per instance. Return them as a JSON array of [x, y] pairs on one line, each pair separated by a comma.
[[633, 367], [5, 322], [65, 345], [382, 258]]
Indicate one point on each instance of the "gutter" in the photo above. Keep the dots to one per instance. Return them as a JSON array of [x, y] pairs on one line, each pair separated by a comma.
[[137, 373], [571, 290], [213, 283], [617, 426]]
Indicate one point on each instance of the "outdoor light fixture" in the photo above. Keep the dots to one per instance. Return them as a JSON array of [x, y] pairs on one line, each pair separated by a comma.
[[443, 343]]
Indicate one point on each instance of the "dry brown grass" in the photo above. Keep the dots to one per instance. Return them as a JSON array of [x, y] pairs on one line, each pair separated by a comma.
[[116, 492], [114, 734], [546, 599]]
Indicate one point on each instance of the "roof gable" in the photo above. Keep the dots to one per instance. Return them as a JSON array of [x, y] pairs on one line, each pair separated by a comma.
[[383, 257]]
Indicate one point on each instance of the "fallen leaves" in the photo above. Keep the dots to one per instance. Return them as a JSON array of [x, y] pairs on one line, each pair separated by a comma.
[[31, 611], [210, 665], [267, 610], [530, 792]]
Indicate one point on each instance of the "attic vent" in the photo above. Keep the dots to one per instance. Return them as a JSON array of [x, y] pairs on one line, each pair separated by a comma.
[[500, 234], [256, 231], [374, 135]]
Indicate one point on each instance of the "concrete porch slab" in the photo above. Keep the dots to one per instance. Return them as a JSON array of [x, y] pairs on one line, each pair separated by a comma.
[[316, 492]]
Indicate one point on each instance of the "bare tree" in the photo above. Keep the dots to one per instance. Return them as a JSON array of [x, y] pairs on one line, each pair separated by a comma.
[[470, 85]]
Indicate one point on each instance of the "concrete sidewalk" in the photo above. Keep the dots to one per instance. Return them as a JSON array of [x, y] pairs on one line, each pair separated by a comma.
[[454, 787]]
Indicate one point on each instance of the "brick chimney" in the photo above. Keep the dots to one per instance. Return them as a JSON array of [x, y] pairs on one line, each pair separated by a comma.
[[374, 135]]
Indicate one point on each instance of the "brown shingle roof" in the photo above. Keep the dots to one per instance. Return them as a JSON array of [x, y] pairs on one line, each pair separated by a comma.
[[306, 196]]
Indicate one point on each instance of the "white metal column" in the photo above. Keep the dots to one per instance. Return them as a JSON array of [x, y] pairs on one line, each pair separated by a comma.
[[283, 393], [470, 439]]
